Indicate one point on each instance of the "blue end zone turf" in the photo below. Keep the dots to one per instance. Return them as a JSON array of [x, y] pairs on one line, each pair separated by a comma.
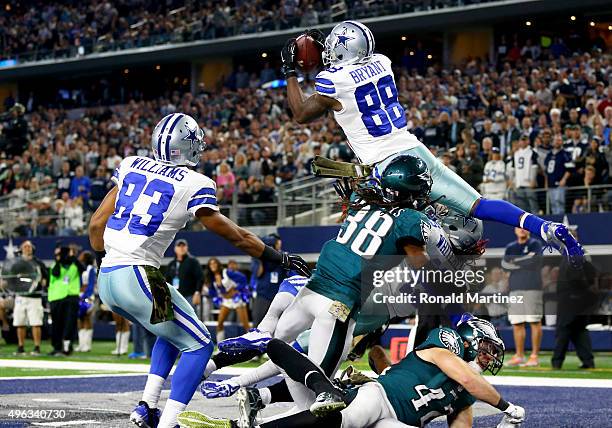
[[546, 406]]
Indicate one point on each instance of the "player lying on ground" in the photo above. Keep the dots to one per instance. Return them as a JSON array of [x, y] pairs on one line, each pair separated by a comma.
[[441, 377], [358, 86], [135, 224], [451, 239]]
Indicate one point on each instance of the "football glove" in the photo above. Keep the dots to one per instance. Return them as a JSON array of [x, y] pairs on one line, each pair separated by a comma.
[[514, 416], [343, 188], [295, 263], [318, 37], [288, 59]]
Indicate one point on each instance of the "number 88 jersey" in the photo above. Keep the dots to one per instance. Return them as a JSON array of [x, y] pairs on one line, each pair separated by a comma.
[[154, 201], [371, 117]]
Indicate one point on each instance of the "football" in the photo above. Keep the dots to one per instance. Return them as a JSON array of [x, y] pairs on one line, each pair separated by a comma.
[[308, 55]]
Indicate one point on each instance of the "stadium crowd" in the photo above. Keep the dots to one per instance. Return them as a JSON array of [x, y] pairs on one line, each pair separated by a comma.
[[536, 122], [40, 29]]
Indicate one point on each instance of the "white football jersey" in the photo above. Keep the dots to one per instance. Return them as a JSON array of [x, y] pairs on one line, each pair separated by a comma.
[[495, 174], [154, 202], [372, 118]]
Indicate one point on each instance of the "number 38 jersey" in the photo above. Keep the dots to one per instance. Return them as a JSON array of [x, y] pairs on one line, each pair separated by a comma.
[[154, 202], [371, 117], [366, 240]]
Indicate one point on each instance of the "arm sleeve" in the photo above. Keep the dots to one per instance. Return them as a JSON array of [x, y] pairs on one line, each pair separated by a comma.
[[324, 84], [204, 196]]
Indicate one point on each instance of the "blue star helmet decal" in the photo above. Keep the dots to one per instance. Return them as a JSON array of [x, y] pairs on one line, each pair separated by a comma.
[[191, 136], [343, 39]]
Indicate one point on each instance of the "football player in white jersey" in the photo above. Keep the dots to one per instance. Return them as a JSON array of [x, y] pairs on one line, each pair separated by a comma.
[[358, 86], [138, 219]]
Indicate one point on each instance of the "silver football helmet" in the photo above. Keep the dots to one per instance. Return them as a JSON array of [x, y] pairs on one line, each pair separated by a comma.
[[465, 233], [178, 140], [349, 42]]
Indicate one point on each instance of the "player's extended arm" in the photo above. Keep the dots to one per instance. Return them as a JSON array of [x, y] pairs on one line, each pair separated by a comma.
[[305, 109], [462, 419], [249, 242], [458, 370], [97, 224]]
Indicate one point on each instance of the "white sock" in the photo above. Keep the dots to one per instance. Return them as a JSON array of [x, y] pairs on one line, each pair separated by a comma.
[[169, 415], [266, 396], [66, 345], [88, 340], [125, 342], [266, 370], [220, 336], [210, 367], [543, 230], [81, 345], [152, 390], [117, 342]]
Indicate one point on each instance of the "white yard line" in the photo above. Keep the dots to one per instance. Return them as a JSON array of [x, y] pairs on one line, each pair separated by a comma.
[[136, 369]]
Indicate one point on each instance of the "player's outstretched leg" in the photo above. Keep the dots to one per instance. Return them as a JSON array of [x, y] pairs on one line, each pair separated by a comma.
[[253, 340], [163, 355], [221, 359], [454, 192], [299, 368], [184, 383], [556, 235]]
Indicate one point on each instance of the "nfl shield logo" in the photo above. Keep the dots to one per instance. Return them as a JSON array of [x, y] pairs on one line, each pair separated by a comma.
[[175, 152]]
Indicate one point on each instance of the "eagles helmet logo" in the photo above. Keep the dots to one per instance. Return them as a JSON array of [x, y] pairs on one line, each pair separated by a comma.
[[450, 340]]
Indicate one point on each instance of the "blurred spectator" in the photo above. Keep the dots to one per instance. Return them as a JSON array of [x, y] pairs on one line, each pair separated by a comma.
[[473, 167], [494, 182], [100, 185], [228, 289], [497, 284], [80, 186], [577, 300], [558, 166], [86, 301], [15, 132], [63, 180], [122, 335], [523, 170], [523, 259], [265, 279], [185, 273], [28, 309], [226, 181], [63, 296]]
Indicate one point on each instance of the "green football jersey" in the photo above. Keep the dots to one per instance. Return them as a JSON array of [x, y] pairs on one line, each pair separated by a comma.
[[371, 231], [418, 390]]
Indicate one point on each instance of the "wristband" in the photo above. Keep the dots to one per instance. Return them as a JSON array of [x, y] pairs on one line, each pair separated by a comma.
[[502, 405], [99, 256], [271, 255]]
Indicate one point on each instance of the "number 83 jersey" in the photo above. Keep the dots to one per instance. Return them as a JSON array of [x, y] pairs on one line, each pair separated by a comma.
[[371, 117], [154, 201]]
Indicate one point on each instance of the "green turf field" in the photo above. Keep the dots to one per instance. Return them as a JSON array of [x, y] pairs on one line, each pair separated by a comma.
[[101, 354]]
